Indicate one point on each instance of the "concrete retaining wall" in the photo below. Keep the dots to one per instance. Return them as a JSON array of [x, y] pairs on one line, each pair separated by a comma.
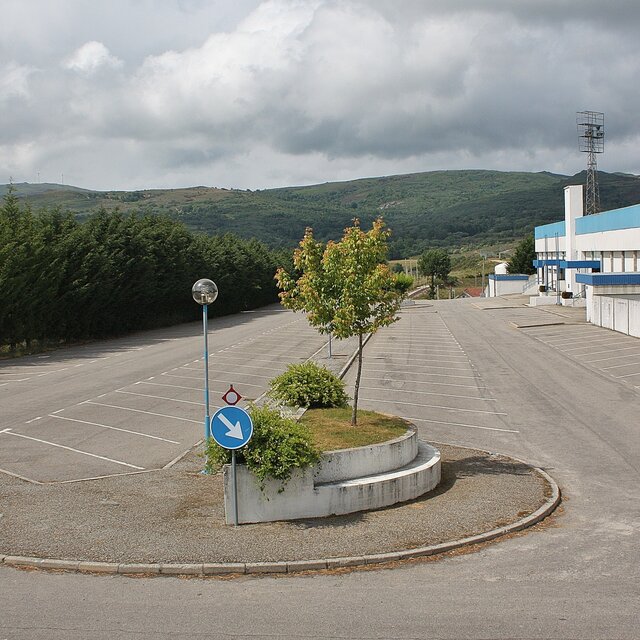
[[346, 464], [305, 496]]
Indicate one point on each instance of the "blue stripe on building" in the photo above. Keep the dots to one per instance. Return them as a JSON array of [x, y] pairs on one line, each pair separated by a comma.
[[613, 220]]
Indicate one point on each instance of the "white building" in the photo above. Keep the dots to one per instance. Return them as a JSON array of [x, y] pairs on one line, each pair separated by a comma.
[[501, 282], [592, 260]]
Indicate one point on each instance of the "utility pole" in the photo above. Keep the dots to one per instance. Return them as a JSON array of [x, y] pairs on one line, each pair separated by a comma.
[[484, 257]]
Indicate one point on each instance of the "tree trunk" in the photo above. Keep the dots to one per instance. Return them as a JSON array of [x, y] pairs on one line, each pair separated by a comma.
[[354, 413]]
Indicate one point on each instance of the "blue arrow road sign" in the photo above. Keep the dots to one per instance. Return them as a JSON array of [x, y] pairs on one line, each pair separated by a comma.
[[231, 427]]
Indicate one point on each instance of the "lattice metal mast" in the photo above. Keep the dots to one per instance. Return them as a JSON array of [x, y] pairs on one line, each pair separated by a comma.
[[591, 141]]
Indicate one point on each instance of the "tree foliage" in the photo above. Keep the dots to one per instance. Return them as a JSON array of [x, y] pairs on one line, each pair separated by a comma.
[[61, 280], [279, 445], [308, 385], [523, 256], [346, 287], [436, 264]]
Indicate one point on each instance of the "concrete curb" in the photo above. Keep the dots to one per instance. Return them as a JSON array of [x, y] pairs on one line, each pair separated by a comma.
[[202, 569]]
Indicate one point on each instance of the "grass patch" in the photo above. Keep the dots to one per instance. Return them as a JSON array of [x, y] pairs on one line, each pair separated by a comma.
[[331, 428]]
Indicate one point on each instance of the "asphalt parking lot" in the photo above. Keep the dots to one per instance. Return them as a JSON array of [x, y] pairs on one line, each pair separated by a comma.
[[150, 421]]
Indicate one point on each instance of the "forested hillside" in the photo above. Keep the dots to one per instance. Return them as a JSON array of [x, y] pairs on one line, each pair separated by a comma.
[[63, 281], [440, 208]]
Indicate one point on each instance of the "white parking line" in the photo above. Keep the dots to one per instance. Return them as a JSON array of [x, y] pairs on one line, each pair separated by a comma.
[[424, 373], [588, 346], [435, 406], [439, 333], [597, 353], [244, 359], [39, 375], [106, 426], [631, 355], [173, 386], [243, 384], [243, 373], [439, 384], [428, 393], [249, 366], [460, 424], [619, 366], [444, 352], [426, 358], [421, 366], [628, 375], [147, 395], [85, 453], [150, 413]]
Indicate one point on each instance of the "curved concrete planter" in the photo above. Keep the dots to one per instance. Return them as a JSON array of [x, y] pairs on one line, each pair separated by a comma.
[[344, 481]]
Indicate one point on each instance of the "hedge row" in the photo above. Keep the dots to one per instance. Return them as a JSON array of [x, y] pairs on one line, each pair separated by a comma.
[[61, 280]]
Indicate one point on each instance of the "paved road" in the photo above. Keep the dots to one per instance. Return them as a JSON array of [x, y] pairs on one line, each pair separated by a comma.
[[524, 396]]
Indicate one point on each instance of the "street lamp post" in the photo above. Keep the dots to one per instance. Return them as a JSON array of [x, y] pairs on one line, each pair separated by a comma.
[[205, 292]]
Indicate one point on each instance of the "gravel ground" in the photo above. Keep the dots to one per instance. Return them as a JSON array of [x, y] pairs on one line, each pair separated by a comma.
[[177, 515]]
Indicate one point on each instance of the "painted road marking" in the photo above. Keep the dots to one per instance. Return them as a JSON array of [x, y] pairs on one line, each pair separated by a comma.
[[460, 424], [250, 366], [435, 406], [619, 366], [631, 355], [86, 453], [597, 353], [106, 426], [449, 351], [423, 373], [147, 395], [603, 343], [245, 384], [173, 386], [443, 384], [150, 413], [430, 393], [427, 358]]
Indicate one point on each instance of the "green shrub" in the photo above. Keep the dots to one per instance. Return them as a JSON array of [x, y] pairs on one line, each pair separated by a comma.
[[278, 446], [308, 385]]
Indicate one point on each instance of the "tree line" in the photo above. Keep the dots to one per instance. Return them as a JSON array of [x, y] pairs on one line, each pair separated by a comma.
[[64, 281]]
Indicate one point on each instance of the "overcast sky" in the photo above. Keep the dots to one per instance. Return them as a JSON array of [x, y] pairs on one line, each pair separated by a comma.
[[132, 94]]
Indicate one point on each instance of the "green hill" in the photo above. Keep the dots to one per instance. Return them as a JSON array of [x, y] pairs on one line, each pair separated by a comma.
[[439, 208]]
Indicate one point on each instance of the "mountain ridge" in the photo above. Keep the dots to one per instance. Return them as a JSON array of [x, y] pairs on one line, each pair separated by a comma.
[[447, 208]]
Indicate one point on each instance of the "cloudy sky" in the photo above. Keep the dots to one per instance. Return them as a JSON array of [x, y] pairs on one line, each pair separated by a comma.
[[132, 94]]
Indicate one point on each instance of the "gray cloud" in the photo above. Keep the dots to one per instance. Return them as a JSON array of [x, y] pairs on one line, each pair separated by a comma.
[[295, 91]]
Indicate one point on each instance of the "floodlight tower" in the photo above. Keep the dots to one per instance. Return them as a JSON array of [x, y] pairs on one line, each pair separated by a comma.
[[591, 141]]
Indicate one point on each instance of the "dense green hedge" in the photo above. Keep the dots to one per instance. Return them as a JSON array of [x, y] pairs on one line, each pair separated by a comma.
[[61, 280]]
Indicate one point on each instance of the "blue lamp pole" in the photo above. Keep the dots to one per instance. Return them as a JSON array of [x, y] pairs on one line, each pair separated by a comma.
[[205, 292]]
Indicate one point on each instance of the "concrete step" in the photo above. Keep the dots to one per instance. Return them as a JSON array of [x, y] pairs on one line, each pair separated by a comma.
[[408, 482]]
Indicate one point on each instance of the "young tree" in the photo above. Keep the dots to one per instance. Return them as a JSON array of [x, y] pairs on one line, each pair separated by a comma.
[[345, 287], [436, 264], [523, 256]]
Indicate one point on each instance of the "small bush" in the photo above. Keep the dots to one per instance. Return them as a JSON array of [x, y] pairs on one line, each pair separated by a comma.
[[278, 446], [308, 385]]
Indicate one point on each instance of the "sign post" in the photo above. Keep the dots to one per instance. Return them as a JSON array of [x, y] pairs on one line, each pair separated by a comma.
[[231, 427]]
